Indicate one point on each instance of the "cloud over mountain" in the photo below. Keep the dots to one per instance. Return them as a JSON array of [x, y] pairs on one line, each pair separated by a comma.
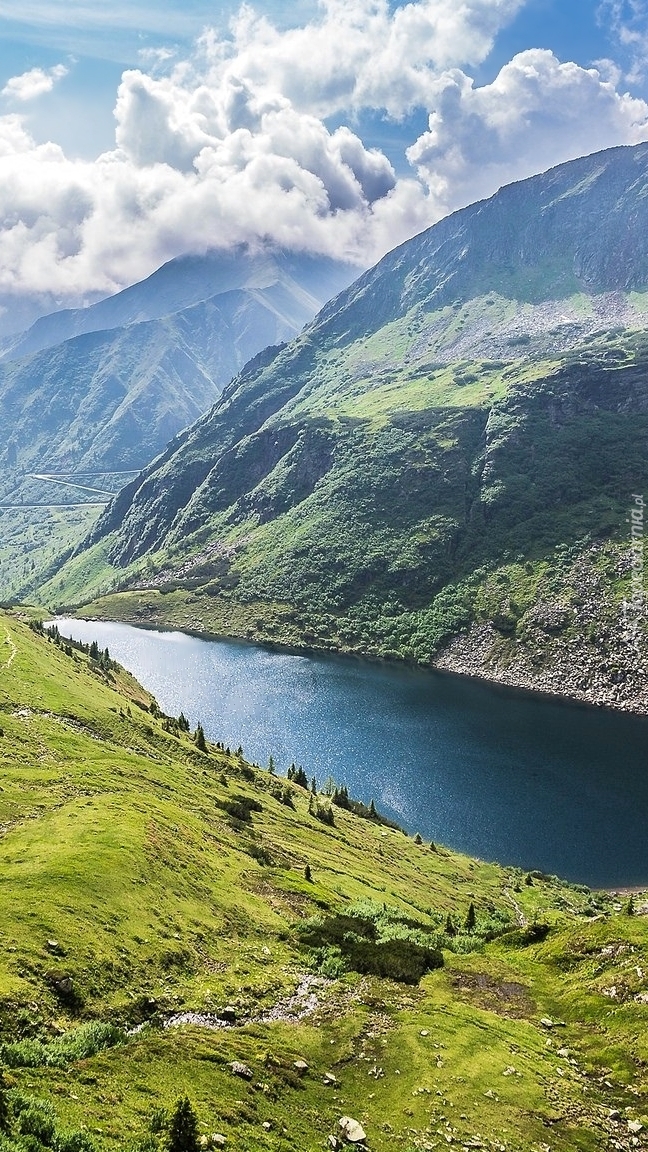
[[247, 141]]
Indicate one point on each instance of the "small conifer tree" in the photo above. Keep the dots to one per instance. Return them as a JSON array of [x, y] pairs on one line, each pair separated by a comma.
[[199, 739], [272, 766], [471, 918], [307, 874], [183, 1129], [630, 906], [5, 1117], [450, 926]]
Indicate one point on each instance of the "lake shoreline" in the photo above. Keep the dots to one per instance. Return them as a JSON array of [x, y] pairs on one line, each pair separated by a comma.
[[453, 660], [476, 655]]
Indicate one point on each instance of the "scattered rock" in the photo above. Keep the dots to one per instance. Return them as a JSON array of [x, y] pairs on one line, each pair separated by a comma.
[[635, 1126], [546, 1022], [301, 1067], [227, 1014], [267, 1126], [330, 1080], [424, 1032], [53, 946], [614, 1114], [65, 985], [241, 1070], [353, 1130], [334, 1143]]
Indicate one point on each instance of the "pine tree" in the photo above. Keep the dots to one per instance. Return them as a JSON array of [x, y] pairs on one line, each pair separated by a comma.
[[300, 777], [450, 926], [630, 906], [5, 1117], [471, 918], [183, 1129], [271, 766], [372, 810], [199, 739], [418, 839], [314, 786], [183, 723], [307, 873]]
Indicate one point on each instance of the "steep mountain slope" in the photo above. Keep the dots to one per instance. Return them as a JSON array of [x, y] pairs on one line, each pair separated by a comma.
[[162, 936], [454, 439]]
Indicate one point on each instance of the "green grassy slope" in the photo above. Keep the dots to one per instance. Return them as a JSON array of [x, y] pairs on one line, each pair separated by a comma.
[[141, 878]]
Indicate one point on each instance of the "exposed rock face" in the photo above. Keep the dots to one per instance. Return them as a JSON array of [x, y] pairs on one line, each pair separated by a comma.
[[588, 650]]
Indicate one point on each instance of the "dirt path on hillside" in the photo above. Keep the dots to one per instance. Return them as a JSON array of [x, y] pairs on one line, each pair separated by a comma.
[[14, 651]]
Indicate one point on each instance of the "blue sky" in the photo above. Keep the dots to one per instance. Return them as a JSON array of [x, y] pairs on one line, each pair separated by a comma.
[[129, 135], [79, 113]]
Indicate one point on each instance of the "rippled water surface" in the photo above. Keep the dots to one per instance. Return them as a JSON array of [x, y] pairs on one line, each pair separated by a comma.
[[495, 773]]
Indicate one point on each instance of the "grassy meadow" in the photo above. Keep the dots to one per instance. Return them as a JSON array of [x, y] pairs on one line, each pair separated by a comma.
[[145, 882]]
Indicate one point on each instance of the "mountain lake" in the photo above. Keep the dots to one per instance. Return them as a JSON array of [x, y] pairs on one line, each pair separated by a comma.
[[499, 774]]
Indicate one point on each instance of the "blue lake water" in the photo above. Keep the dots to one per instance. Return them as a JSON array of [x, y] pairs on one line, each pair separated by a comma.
[[502, 775]]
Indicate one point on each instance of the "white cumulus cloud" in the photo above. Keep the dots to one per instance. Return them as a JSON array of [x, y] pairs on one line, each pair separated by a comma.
[[236, 143], [36, 82], [536, 113], [360, 53]]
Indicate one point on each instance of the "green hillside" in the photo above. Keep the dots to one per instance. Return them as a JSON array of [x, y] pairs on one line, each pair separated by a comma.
[[441, 468], [390, 514], [144, 880]]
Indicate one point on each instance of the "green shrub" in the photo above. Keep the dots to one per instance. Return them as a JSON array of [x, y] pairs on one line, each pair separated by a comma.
[[38, 1120], [366, 943], [78, 1044]]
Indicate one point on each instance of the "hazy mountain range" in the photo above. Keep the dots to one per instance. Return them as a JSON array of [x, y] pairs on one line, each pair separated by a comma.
[[105, 387]]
